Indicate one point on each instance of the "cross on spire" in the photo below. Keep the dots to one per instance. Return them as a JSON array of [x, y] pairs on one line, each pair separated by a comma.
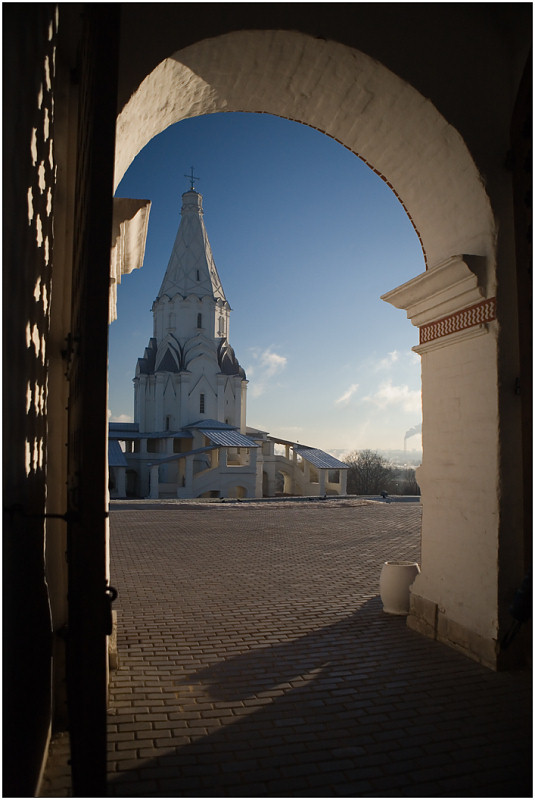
[[192, 178]]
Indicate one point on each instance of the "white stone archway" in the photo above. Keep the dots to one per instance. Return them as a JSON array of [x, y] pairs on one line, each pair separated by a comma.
[[403, 138], [342, 93]]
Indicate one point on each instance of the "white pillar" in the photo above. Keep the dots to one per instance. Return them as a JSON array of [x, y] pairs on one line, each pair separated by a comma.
[[242, 402], [343, 481], [221, 398], [322, 474], [253, 453], [159, 420], [455, 599], [259, 472], [153, 481], [120, 476], [185, 414], [189, 474]]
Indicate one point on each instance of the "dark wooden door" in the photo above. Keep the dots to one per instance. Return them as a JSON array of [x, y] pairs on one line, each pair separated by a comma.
[[87, 370], [522, 169]]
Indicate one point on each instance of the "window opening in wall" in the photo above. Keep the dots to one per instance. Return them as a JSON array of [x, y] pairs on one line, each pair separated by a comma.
[[168, 423], [198, 275], [199, 320], [201, 404]]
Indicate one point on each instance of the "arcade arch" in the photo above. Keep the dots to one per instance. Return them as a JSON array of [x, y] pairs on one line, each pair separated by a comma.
[[384, 121], [342, 93]]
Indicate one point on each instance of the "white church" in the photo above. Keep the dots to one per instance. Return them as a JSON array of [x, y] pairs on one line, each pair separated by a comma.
[[189, 438]]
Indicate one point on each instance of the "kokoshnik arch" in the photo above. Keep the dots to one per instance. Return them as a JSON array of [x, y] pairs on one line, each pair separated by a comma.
[[402, 137], [434, 98]]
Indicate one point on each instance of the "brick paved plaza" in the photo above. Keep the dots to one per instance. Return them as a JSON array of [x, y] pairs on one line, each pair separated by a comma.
[[256, 660]]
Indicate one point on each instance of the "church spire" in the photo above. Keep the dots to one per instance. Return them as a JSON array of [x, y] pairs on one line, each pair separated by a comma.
[[191, 269]]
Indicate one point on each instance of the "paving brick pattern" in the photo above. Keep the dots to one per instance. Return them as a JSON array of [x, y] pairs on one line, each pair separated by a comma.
[[256, 660]]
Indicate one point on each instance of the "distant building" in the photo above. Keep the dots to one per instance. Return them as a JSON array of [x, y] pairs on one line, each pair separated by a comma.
[[189, 437]]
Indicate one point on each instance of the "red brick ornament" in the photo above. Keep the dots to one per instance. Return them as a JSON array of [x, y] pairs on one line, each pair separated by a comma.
[[467, 318]]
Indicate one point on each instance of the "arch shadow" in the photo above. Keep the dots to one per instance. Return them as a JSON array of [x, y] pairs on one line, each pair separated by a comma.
[[363, 706]]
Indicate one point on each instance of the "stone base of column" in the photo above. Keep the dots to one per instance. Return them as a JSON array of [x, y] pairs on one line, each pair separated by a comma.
[[425, 618]]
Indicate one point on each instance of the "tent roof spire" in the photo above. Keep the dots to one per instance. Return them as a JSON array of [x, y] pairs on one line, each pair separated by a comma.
[[191, 269]]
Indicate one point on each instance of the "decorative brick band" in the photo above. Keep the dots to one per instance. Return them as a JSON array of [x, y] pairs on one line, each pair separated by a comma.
[[467, 318]]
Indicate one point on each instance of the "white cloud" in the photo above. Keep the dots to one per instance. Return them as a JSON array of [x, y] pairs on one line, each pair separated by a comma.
[[265, 364], [119, 417], [389, 395], [347, 395], [272, 362], [388, 360]]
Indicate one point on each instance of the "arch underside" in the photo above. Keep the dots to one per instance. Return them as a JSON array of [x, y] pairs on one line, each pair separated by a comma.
[[346, 95]]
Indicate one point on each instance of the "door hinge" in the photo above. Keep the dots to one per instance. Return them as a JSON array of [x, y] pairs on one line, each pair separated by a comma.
[[110, 594], [19, 509], [68, 353]]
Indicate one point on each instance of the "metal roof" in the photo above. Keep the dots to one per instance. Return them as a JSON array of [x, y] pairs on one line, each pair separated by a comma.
[[155, 459], [124, 426], [256, 432], [229, 438], [122, 434], [212, 425], [116, 457], [320, 459]]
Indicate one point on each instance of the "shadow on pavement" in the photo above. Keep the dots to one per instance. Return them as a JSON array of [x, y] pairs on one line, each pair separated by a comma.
[[362, 707]]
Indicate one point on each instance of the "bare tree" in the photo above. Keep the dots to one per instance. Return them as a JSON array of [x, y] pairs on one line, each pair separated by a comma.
[[369, 473], [410, 485]]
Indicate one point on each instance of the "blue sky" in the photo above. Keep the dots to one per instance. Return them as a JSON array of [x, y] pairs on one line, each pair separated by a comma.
[[305, 238]]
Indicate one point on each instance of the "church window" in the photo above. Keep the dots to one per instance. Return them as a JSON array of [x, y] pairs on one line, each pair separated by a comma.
[[198, 275], [221, 326], [168, 423], [199, 320], [201, 404]]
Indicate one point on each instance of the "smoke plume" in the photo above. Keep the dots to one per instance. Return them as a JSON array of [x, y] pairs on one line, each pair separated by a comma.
[[412, 432]]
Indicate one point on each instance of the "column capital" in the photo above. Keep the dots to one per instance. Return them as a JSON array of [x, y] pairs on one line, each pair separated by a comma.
[[447, 303], [438, 292]]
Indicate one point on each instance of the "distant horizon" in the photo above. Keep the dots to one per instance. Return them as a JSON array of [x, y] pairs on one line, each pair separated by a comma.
[[305, 238]]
